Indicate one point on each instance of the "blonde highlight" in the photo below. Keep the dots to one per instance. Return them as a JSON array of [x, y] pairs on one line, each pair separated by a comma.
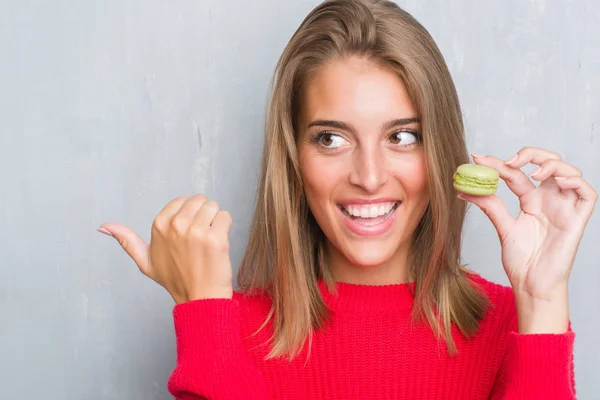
[[285, 249]]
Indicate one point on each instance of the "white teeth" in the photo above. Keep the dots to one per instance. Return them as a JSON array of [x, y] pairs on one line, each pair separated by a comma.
[[369, 210], [373, 211]]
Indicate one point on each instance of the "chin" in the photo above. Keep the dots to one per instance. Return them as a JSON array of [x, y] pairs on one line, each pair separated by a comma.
[[368, 255]]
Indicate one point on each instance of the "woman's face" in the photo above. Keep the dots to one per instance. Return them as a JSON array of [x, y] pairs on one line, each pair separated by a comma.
[[362, 164]]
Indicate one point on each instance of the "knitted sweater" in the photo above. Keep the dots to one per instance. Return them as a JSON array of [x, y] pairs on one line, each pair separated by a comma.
[[370, 349]]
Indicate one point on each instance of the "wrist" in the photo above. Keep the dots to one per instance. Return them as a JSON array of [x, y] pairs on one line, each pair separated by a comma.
[[547, 315]]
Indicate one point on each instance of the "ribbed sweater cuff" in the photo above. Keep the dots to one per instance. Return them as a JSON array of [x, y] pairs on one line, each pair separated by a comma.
[[211, 359], [541, 365], [201, 325]]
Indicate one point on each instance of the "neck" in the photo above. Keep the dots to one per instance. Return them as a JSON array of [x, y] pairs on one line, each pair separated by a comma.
[[392, 271]]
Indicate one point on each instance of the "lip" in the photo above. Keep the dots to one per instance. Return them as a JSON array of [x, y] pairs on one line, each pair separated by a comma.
[[375, 230], [348, 202]]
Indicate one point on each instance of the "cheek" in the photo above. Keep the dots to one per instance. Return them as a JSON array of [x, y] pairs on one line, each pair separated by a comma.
[[324, 178], [413, 176], [319, 179]]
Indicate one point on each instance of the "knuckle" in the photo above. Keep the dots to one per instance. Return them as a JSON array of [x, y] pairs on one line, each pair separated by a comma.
[[553, 155], [519, 178], [159, 224], [178, 226], [550, 163], [227, 216], [179, 199], [212, 205], [530, 150], [199, 197], [218, 242], [486, 209], [526, 151]]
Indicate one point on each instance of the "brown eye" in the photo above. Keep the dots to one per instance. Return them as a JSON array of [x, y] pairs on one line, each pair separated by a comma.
[[326, 139], [404, 138], [395, 138], [329, 141]]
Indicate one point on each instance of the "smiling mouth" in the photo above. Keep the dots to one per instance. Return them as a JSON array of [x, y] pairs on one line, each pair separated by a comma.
[[373, 218]]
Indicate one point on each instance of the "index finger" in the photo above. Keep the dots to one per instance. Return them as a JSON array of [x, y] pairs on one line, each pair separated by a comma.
[[515, 179], [533, 155]]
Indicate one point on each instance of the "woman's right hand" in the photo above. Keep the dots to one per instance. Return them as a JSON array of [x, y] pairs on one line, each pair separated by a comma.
[[189, 249]]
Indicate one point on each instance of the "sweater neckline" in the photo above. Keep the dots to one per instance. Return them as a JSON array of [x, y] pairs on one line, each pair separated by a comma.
[[361, 297]]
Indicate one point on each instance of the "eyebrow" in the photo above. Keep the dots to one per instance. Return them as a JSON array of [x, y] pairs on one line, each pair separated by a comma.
[[342, 125]]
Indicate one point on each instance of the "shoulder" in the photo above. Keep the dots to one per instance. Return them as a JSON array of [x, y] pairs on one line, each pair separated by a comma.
[[256, 322], [492, 289], [502, 309], [257, 303]]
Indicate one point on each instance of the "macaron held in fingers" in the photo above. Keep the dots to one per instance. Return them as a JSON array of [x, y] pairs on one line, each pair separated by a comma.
[[476, 180]]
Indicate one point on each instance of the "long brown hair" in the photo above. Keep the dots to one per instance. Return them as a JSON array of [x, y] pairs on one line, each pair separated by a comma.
[[285, 250]]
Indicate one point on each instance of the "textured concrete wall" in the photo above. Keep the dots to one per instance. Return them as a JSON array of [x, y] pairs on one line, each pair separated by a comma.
[[110, 109]]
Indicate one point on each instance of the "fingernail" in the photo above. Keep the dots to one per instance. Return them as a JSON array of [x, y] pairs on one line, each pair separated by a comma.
[[460, 196], [511, 160], [102, 230], [537, 171], [560, 178], [477, 155]]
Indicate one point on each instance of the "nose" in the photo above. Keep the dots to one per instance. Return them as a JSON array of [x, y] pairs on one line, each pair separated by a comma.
[[369, 169]]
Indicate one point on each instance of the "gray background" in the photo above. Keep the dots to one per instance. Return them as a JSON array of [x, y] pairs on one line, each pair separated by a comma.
[[110, 109]]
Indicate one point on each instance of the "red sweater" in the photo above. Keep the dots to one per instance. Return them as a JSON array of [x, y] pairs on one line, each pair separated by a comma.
[[369, 350]]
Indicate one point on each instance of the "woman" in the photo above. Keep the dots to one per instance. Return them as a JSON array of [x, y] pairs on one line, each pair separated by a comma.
[[351, 286]]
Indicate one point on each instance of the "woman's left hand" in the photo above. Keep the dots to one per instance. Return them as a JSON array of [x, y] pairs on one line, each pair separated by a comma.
[[539, 246]]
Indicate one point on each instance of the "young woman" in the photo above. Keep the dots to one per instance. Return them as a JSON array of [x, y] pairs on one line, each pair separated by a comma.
[[351, 286]]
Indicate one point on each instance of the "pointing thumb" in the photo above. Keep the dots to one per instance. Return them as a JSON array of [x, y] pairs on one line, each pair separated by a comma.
[[133, 245]]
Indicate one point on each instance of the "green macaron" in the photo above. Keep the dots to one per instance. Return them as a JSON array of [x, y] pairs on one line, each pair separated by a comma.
[[477, 180]]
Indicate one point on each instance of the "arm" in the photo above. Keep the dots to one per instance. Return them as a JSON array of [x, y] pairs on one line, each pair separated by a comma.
[[189, 256], [212, 362], [538, 251], [538, 363]]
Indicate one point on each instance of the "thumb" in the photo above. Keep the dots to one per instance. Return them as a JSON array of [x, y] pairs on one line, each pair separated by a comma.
[[130, 242], [495, 209]]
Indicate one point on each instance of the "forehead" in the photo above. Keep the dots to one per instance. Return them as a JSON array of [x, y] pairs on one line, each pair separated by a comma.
[[355, 89]]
